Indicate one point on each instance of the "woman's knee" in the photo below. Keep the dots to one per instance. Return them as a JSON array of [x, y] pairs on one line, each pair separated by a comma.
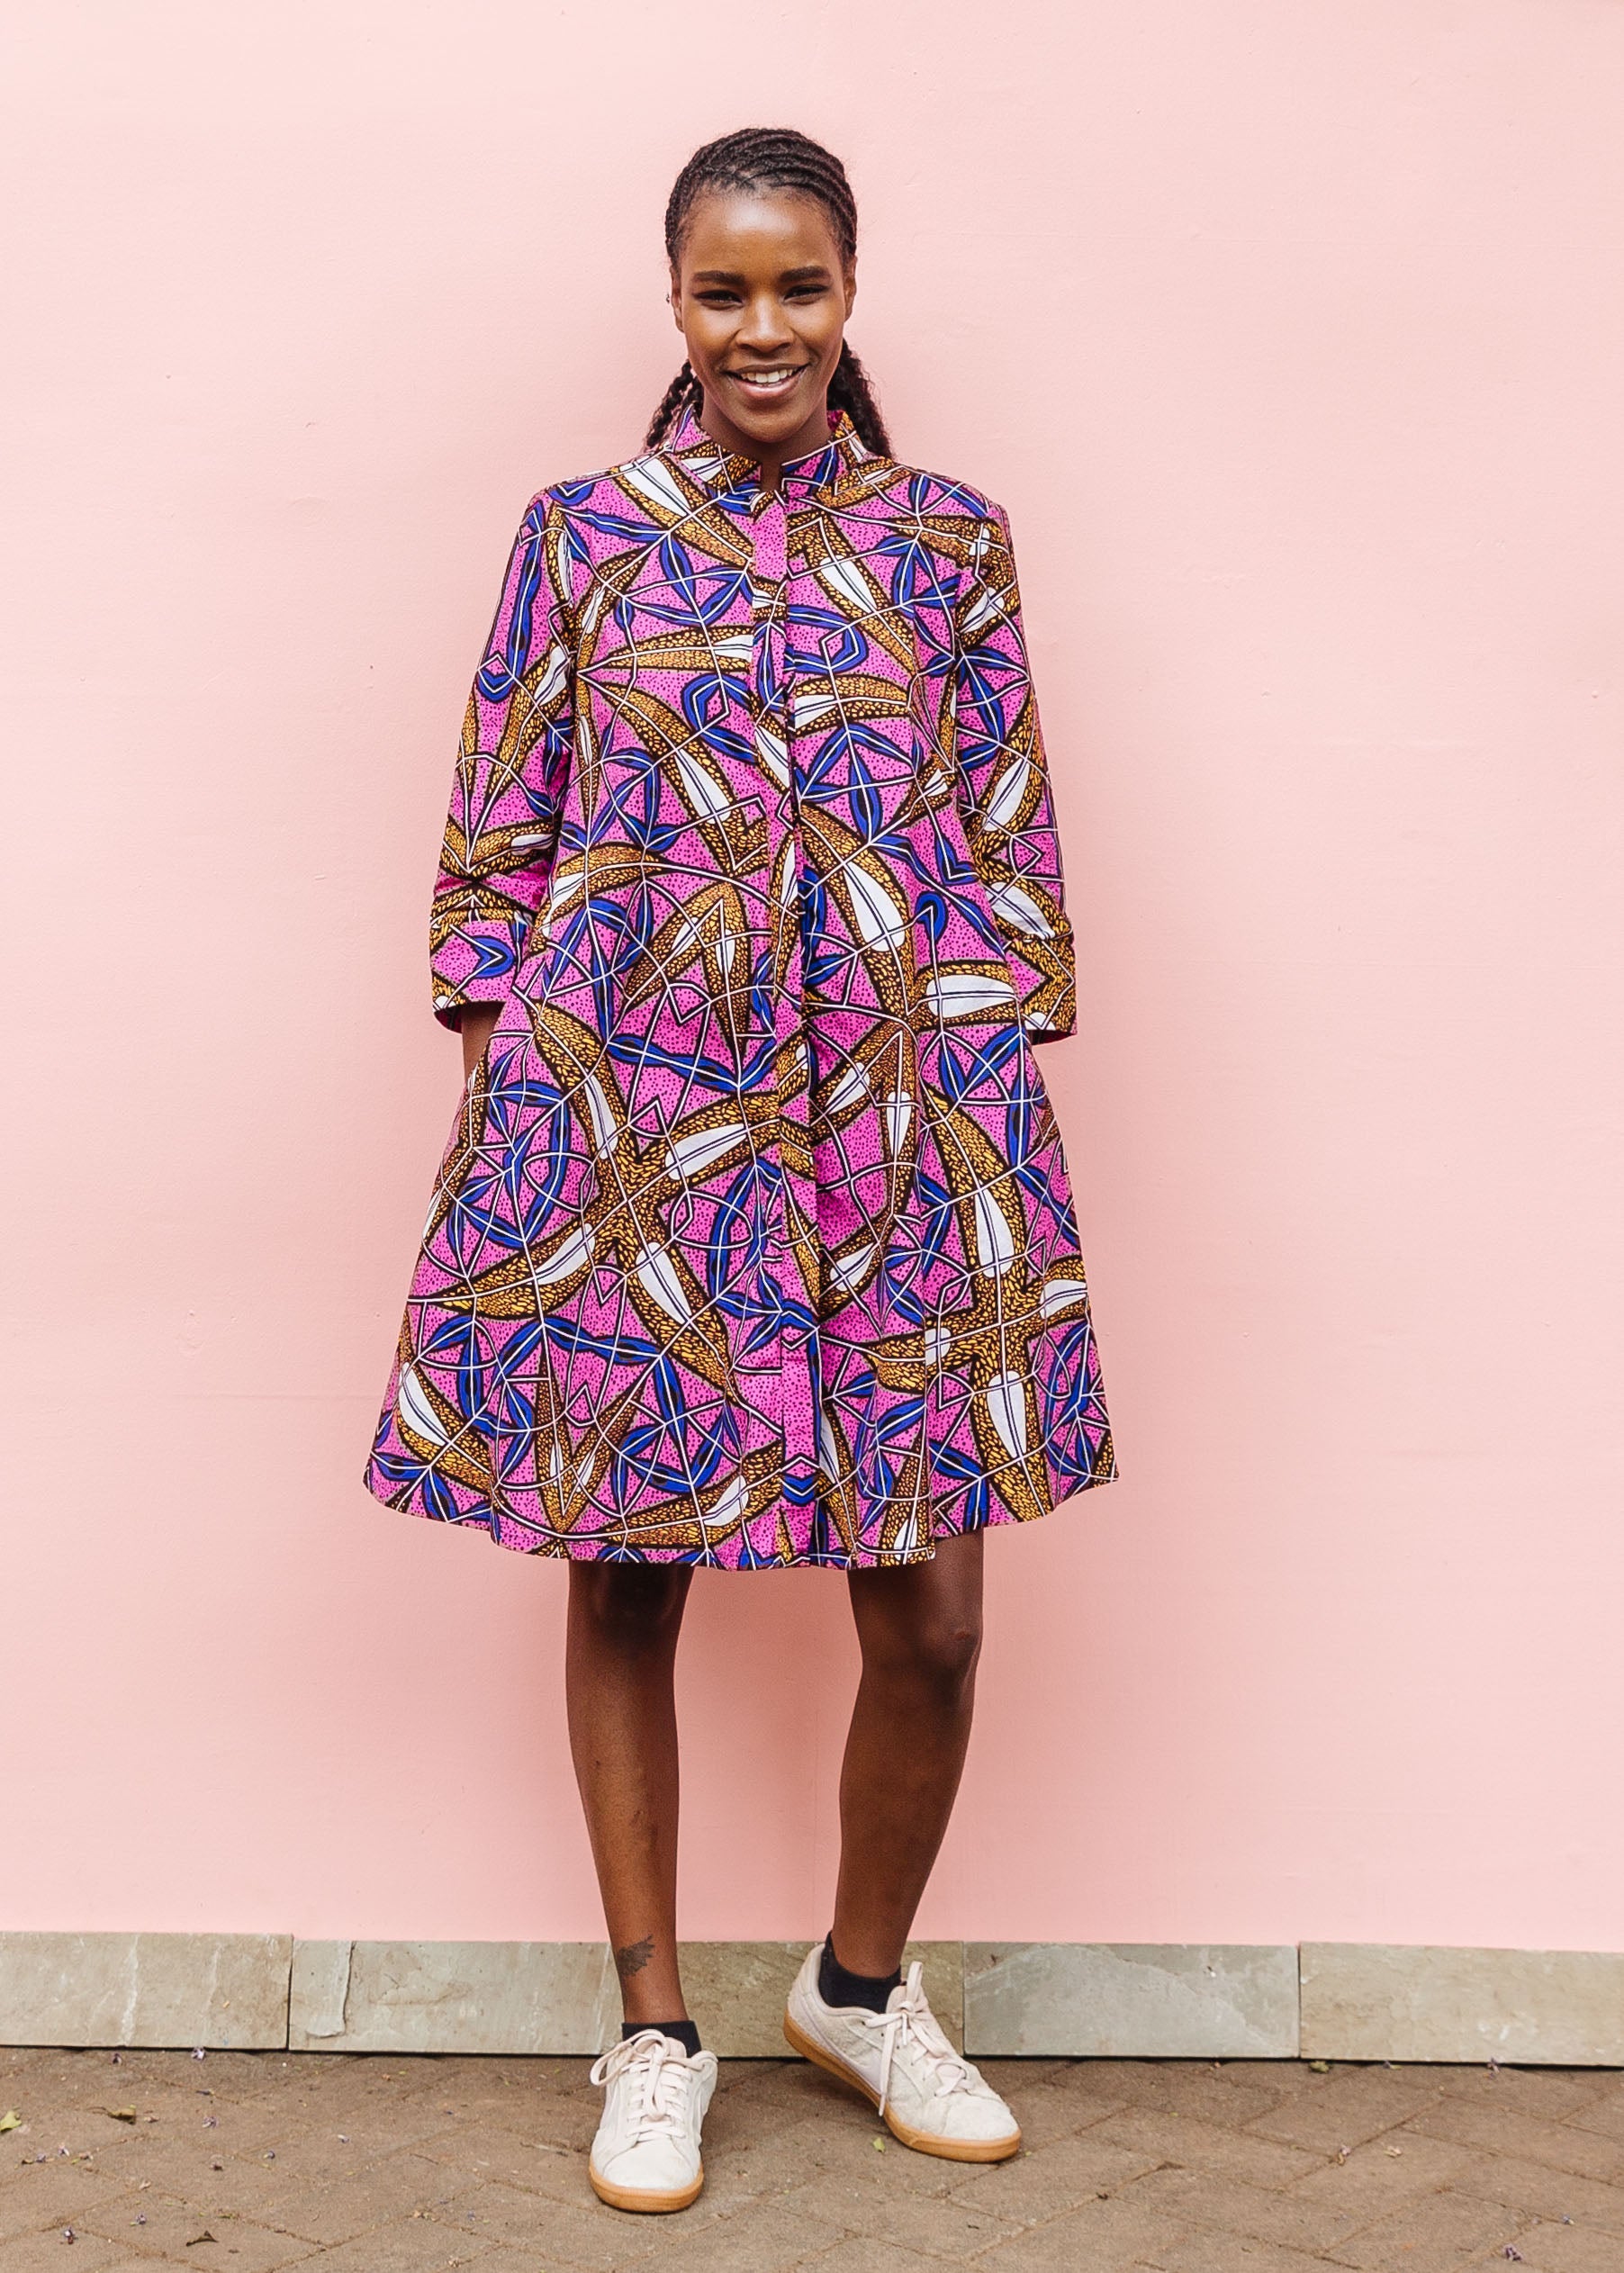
[[629, 1608], [937, 1651]]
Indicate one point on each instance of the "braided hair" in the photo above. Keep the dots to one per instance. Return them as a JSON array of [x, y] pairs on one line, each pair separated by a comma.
[[771, 158]]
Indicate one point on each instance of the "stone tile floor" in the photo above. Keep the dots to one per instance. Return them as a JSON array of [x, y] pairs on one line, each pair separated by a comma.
[[256, 2161]]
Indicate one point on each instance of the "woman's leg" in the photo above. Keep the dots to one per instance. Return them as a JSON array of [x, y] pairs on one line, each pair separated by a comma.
[[920, 1631], [619, 1666]]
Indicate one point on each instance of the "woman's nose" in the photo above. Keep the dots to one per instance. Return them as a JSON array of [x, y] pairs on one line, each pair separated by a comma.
[[763, 325]]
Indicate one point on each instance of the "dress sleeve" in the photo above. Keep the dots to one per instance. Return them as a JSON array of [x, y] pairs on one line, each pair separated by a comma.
[[512, 771], [1004, 786]]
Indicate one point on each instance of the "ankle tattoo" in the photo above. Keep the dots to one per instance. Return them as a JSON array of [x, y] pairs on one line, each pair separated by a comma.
[[634, 1957]]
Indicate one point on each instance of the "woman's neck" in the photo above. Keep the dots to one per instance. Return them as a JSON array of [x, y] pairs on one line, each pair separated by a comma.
[[810, 435]]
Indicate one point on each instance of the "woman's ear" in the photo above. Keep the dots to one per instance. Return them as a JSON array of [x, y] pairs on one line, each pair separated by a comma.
[[850, 281], [676, 297]]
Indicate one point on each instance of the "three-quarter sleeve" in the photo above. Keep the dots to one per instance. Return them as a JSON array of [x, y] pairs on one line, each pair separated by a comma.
[[1004, 783], [512, 771]]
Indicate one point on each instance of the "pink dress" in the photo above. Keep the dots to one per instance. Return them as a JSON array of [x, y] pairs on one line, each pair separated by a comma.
[[753, 1242]]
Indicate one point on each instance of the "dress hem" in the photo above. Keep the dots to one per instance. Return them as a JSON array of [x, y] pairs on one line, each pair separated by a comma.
[[555, 1550]]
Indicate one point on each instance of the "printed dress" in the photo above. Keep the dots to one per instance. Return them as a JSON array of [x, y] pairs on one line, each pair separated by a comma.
[[752, 1243]]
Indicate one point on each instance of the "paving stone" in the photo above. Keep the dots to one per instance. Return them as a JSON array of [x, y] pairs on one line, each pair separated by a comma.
[[1198, 2198], [1279, 2076], [1207, 2146], [840, 2151], [1526, 2138], [1205, 2089], [183, 2173], [482, 2152], [862, 2253], [932, 2224], [1352, 2106], [170, 2228], [1435, 2234], [1100, 2237], [411, 2245], [1228, 2253], [49, 2193], [582, 2233], [337, 2208], [1605, 2114], [1569, 2248], [1535, 2186], [1560, 2094], [1378, 2177], [1046, 2115], [765, 2238], [1095, 2087], [49, 2254], [1047, 2180], [344, 2139]]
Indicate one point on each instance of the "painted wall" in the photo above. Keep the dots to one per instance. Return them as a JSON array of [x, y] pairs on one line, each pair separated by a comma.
[[1290, 338]]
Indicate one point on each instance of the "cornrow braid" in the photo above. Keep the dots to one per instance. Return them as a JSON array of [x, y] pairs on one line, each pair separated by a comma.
[[683, 390], [849, 391], [771, 158]]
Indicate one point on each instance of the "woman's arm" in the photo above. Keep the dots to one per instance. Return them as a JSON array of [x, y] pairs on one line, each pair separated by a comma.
[[1009, 814], [476, 1026], [508, 793]]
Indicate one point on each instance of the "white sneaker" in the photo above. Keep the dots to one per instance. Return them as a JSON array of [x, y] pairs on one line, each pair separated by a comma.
[[645, 2155], [929, 2095]]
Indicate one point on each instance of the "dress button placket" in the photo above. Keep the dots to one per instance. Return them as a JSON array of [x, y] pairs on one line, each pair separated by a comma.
[[770, 704]]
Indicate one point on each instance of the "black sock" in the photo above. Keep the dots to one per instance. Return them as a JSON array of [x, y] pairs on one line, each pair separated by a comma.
[[682, 2031], [835, 1986]]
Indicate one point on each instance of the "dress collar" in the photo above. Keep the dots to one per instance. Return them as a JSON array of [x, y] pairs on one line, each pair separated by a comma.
[[704, 460]]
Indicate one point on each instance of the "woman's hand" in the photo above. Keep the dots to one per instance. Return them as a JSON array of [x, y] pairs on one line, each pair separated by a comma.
[[476, 1029]]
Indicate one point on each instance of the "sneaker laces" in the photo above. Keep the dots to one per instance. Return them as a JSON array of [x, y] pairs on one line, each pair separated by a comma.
[[656, 2068], [910, 2021]]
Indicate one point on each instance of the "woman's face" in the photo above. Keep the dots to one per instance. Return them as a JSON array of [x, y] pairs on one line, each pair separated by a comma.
[[762, 297]]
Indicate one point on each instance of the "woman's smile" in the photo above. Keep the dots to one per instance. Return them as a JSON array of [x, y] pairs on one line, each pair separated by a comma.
[[774, 379]]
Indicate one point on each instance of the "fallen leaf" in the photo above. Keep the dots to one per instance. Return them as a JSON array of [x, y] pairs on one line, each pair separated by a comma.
[[1320, 2067], [204, 2236], [120, 2115], [11, 2120]]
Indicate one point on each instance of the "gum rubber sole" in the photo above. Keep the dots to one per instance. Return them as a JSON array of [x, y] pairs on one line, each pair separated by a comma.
[[922, 2142], [638, 2198]]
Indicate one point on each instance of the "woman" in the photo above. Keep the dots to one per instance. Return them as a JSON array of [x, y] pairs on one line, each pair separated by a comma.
[[752, 1244]]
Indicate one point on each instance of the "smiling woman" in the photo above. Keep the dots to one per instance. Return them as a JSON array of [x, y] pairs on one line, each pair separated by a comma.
[[761, 231], [753, 1244]]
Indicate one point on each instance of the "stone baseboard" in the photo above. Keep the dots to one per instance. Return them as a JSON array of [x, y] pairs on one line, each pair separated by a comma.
[[1352, 2001], [222, 1990], [1367, 2000]]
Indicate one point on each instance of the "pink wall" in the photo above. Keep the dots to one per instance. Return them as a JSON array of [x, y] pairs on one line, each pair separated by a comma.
[[1291, 336]]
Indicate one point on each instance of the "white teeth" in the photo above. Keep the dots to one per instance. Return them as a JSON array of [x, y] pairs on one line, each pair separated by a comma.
[[765, 378]]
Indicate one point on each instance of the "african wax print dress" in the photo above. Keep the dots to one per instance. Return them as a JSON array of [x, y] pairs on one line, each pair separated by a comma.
[[752, 1243]]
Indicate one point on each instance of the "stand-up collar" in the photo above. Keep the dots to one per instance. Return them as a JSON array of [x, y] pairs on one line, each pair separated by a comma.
[[724, 474]]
